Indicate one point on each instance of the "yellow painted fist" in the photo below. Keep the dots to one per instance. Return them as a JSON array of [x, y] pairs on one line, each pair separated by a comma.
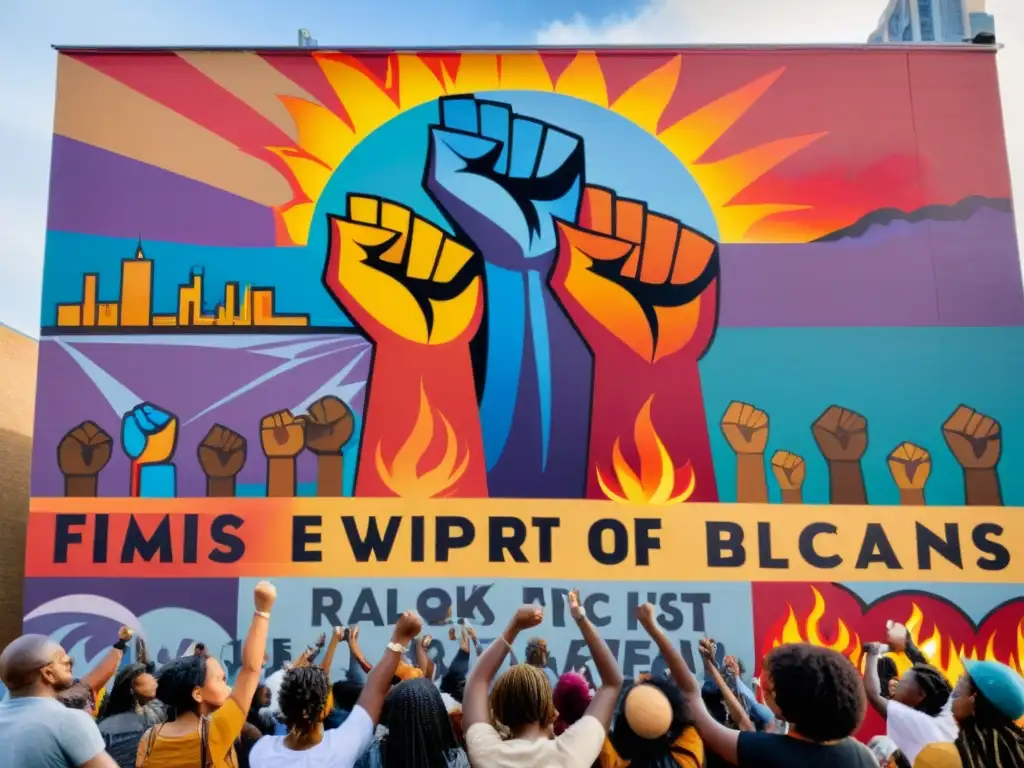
[[396, 274]]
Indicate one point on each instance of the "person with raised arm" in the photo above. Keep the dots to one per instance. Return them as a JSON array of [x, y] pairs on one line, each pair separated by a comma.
[[522, 706], [207, 716], [816, 690], [305, 702]]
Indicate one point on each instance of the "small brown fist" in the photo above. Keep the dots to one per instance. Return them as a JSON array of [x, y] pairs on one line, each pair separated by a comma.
[[329, 425], [529, 616], [842, 435], [84, 451], [125, 634], [282, 435], [645, 615], [264, 596], [222, 452], [910, 466], [745, 428], [789, 469], [976, 440]]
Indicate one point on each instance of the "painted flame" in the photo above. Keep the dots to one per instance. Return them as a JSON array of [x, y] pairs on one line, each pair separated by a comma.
[[943, 653], [810, 630], [940, 650], [659, 481], [404, 477]]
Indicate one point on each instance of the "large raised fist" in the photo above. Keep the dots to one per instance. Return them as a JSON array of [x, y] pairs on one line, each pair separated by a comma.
[[503, 177], [396, 274], [645, 279], [841, 434]]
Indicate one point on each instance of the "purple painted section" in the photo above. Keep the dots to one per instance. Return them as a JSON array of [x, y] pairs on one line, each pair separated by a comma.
[[931, 273], [186, 379], [215, 598], [102, 193]]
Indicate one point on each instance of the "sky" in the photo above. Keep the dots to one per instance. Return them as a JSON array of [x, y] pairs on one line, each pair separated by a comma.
[[28, 64]]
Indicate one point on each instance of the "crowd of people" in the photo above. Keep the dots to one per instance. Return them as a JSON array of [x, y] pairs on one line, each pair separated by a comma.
[[398, 714]]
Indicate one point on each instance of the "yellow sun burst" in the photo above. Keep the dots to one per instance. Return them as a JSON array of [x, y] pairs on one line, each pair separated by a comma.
[[325, 139]]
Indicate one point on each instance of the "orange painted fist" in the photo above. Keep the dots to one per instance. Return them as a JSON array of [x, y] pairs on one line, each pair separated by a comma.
[[639, 277], [396, 274]]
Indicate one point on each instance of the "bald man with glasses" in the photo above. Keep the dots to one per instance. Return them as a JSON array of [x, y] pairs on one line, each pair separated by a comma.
[[36, 730]]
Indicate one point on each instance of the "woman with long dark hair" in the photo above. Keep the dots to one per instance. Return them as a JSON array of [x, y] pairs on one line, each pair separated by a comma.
[[416, 732], [128, 710], [207, 716]]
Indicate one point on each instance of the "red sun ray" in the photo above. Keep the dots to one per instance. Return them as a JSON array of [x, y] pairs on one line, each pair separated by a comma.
[[170, 80]]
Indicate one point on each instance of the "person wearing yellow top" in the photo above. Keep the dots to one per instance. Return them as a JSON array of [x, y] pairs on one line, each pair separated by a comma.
[[206, 716]]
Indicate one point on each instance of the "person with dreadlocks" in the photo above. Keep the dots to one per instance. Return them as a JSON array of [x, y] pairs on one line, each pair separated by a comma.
[[207, 716], [521, 703], [415, 731], [305, 701], [987, 702], [917, 711]]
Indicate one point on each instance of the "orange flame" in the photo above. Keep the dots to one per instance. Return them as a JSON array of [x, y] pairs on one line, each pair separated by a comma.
[[946, 655], [846, 642], [938, 649], [404, 478], [658, 479]]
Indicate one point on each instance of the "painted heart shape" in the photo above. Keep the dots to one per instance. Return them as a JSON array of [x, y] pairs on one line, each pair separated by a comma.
[[831, 615]]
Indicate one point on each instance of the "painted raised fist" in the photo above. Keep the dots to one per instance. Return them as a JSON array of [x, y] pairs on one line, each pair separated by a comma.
[[149, 434], [503, 178], [745, 428], [222, 455], [397, 275], [81, 455], [630, 276]]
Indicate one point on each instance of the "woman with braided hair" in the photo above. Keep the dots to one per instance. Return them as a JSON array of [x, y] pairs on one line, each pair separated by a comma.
[[918, 712], [414, 731], [987, 702]]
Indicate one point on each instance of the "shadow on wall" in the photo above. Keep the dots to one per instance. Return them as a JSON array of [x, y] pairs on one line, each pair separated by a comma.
[[18, 359]]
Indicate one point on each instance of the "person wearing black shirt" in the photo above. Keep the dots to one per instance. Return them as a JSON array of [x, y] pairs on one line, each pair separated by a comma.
[[818, 692]]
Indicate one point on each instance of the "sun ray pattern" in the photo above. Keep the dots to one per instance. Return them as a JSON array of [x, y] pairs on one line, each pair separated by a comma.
[[326, 138]]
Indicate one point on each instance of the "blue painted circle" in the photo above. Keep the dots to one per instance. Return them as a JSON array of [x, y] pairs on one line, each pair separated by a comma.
[[620, 155]]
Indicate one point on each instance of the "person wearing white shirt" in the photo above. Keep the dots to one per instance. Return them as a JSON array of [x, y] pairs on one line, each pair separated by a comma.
[[918, 714], [522, 706], [303, 699]]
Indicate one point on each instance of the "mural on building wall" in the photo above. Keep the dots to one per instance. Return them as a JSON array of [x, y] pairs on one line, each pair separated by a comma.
[[647, 279]]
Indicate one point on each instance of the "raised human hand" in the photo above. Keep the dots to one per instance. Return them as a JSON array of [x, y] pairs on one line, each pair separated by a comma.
[[503, 178], [222, 452], [84, 451], [282, 435], [338, 634], [841, 434], [264, 595], [398, 275], [910, 466], [975, 440], [789, 469], [528, 616], [329, 425], [408, 626], [125, 634], [645, 616], [575, 606], [149, 434], [745, 428], [643, 279]]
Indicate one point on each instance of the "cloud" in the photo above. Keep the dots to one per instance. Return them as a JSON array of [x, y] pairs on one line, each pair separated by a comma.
[[722, 21]]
